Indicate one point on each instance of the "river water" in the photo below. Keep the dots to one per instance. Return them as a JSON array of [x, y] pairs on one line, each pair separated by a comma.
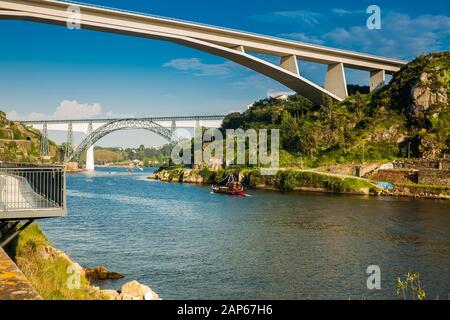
[[186, 243]]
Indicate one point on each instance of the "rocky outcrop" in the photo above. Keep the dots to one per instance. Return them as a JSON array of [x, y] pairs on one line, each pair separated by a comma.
[[191, 176], [178, 175], [132, 290], [101, 273], [412, 191], [427, 98]]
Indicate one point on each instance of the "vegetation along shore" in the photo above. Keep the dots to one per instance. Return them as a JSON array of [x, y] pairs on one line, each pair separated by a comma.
[[394, 141]]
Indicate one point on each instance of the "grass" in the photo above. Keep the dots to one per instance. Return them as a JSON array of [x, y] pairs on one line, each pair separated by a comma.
[[48, 276], [425, 186], [290, 180]]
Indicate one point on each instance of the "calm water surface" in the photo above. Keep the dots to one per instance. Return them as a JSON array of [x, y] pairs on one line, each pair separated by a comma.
[[187, 243]]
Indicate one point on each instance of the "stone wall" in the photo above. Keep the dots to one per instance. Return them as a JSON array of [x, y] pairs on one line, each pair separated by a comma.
[[421, 164], [394, 176], [351, 170], [434, 177], [422, 192]]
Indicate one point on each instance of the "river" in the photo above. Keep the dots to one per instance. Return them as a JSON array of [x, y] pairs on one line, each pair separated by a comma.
[[186, 243]]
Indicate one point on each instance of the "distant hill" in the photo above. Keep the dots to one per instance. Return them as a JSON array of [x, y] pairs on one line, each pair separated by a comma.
[[19, 143], [150, 156], [410, 115]]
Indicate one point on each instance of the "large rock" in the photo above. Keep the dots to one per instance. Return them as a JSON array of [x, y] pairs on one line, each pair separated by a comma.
[[133, 290], [426, 99], [192, 176], [111, 294], [101, 273]]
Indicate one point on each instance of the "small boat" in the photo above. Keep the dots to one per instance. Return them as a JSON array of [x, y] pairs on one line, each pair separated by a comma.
[[232, 187]]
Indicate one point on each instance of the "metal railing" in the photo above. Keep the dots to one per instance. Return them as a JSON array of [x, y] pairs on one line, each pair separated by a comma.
[[32, 191]]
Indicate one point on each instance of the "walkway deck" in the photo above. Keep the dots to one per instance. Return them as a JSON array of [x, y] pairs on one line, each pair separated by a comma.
[[17, 194], [19, 200], [13, 284]]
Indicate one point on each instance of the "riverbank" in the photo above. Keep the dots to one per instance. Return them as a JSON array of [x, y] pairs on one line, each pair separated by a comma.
[[302, 180], [284, 180], [55, 276], [187, 243]]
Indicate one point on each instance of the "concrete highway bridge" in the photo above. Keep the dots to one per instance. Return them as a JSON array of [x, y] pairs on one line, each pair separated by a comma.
[[237, 46], [95, 129]]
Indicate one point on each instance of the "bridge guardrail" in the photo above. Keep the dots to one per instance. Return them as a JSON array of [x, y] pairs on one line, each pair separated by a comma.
[[32, 191]]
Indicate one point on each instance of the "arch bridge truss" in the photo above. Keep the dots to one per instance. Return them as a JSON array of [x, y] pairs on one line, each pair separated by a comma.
[[74, 153]]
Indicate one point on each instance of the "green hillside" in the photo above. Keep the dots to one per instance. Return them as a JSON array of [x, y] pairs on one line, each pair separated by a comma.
[[19, 143], [411, 114]]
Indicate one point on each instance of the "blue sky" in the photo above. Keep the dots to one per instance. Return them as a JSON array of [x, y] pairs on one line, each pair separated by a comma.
[[49, 71]]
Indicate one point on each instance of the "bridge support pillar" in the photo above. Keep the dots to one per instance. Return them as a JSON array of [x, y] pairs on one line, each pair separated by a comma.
[[335, 81], [69, 142], [173, 128], [377, 79], [289, 63], [44, 140], [90, 163]]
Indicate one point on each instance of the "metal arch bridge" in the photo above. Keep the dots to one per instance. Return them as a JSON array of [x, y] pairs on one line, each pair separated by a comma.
[[227, 43], [163, 126], [115, 125]]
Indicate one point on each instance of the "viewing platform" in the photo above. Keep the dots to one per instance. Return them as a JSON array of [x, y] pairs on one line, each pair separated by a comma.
[[29, 191]]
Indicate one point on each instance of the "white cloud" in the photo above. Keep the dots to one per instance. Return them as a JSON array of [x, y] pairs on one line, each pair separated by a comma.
[[272, 94], [400, 36], [199, 68], [341, 12], [344, 12], [69, 109], [303, 37], [74, 110], [292, 17]]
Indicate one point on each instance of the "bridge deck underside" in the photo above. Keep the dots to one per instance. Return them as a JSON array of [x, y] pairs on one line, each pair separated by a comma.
[[217, 41]]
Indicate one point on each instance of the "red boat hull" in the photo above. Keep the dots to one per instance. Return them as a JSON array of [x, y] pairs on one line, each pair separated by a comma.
[[233, 192]]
